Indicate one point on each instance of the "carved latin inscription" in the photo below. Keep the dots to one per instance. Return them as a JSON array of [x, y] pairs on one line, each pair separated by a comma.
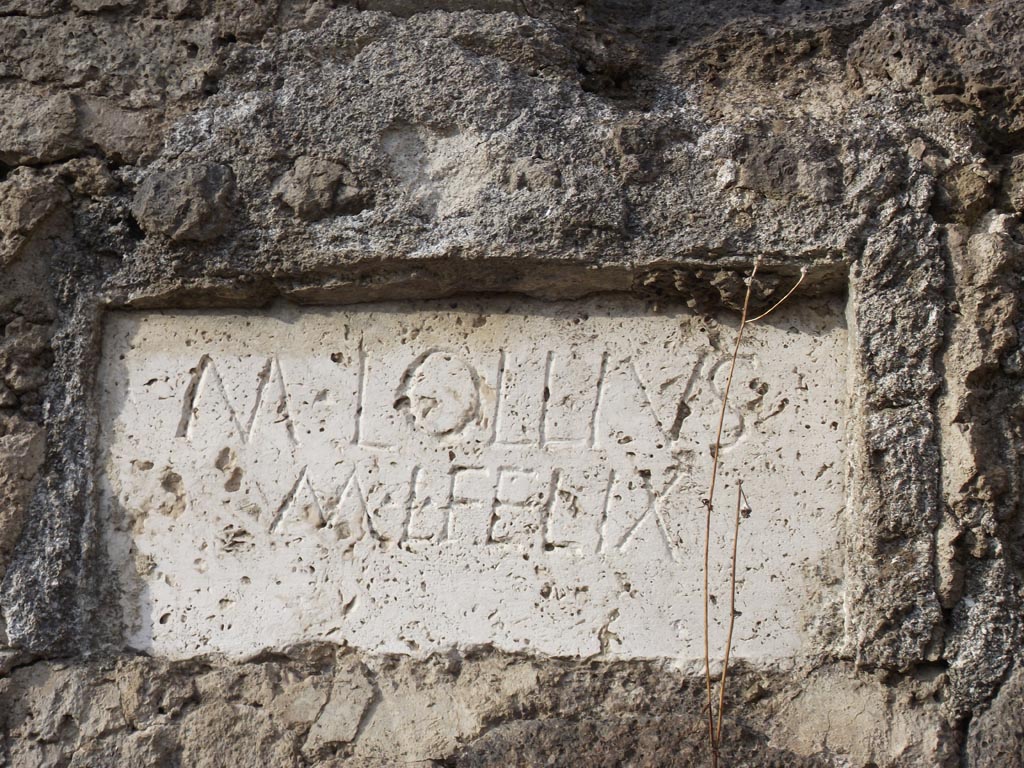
[[410, 477]]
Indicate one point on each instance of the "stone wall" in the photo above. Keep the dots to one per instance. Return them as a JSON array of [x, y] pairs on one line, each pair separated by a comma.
[[216, 161]]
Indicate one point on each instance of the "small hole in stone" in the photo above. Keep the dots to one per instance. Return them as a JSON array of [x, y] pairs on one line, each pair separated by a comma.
[[134, 230], [210, 85]]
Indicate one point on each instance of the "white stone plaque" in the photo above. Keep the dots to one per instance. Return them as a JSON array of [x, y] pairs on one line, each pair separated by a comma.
[[410, 477]]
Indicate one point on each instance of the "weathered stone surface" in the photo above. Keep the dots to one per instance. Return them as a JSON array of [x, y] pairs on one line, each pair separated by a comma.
[[37, 127], [94, 6], [121, 135], [996, 736], [337, 719], [555, 149], [982, 478], [1015, 183], [951, 54], [189, 203], [485, 708], [28, 199], [314, 188], [21, 455]]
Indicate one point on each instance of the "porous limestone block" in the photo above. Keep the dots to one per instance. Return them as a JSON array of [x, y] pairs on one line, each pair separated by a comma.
[[410, 477]]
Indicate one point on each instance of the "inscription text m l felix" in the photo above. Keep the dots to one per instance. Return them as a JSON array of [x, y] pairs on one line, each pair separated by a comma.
[[588, 403]]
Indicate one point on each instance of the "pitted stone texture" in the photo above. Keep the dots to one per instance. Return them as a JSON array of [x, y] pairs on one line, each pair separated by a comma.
[[412, 477], [996, 737], [480, 709]]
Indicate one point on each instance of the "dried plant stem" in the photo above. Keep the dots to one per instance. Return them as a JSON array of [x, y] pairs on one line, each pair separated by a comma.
[[780, 302], [715, 731], [740, 496], [709, 505]]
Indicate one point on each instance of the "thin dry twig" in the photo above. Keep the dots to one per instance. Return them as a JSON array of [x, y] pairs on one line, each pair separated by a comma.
[[707, 646], [780, 302], [709, 505], [732, 608], [715, 733]]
